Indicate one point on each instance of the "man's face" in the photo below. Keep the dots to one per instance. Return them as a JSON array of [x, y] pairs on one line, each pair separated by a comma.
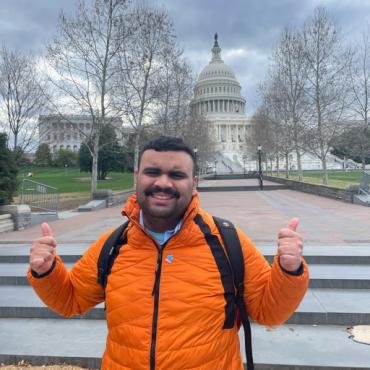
[[164, 185]]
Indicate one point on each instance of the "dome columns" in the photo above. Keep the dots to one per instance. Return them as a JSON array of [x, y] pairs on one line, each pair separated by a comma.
[[220, 106]]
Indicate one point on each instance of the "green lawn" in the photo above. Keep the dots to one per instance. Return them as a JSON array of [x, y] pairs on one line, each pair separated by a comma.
[[339, 179], [71, 180]]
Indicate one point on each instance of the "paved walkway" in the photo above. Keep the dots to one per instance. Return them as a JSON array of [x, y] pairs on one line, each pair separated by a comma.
[[259, 213]]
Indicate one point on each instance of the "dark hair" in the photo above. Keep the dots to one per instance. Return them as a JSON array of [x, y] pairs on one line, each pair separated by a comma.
[[168, 144]]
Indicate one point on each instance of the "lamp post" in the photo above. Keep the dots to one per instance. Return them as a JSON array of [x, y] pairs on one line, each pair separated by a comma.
[[196, 160], [244, 159], [259, 151]]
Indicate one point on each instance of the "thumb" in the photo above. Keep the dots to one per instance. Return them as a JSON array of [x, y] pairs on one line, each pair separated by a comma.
[[46, 229], [293, 224]]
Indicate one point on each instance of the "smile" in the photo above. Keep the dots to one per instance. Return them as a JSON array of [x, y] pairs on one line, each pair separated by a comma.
[[162, 196]]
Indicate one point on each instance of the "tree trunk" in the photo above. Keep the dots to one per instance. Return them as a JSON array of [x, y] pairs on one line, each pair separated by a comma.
[[94, 171], [324, 171], [136, 149], [299, 165], [287, 165], [277, 166], [15, 141]]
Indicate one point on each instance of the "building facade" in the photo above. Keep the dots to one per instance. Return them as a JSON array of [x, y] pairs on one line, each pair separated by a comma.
[[70, 131], [217, 96]]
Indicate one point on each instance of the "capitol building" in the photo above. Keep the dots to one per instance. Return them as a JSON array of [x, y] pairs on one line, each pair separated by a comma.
[[217, 96]]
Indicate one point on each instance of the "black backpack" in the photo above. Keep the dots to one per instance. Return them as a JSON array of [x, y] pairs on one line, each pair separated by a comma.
[[233, 248]]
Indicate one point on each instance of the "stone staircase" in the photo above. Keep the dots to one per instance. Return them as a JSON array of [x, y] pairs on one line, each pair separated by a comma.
[[6, 223], [314, 338]]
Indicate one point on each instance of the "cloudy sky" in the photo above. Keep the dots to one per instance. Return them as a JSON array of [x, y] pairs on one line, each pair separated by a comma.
[[247, 29]]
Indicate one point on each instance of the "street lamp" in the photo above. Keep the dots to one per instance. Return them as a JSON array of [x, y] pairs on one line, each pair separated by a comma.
[[259, 151], [244, 159], [196, 161]]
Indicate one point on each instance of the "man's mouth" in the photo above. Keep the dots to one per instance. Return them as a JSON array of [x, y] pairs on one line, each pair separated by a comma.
[[162, 194]]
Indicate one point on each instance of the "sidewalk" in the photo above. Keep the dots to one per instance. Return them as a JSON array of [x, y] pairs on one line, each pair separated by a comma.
[[260, 214]]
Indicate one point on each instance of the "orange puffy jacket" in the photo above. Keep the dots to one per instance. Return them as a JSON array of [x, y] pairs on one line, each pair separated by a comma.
[[166, 309]]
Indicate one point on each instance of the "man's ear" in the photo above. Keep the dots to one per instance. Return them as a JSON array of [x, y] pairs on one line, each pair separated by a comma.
[[136, 174], [195, 184]]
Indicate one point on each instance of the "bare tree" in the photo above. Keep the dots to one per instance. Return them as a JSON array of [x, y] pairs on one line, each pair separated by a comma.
[[290, 73], [176, 86], [327, 86], [85, 66], [276, 117], [22, 97], [360, 90], [143, 59], [199, 133]]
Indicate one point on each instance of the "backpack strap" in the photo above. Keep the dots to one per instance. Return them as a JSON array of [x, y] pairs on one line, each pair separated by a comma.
[[110, 251], [234, 251]]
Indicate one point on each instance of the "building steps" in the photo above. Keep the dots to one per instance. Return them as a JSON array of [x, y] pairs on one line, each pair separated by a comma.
[[314, 338], [298, 347]]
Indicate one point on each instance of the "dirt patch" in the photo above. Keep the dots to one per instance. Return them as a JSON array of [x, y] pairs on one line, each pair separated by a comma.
[[23, 365], [69, 201]]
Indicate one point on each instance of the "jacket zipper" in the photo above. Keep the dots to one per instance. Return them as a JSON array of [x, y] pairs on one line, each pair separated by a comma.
[[155, 293]]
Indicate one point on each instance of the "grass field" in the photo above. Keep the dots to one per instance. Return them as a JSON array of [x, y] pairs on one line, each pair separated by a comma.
[[71, 180], [338, 179]]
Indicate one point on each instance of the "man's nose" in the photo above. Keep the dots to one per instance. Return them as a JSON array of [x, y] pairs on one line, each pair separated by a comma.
[[163, 181]]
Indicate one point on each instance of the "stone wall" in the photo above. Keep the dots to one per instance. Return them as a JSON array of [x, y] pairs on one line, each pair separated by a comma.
[[322, 190], [21, 215], [112, 197]]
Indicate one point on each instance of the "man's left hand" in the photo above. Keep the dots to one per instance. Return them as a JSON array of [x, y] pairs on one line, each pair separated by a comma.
[[290, 247]]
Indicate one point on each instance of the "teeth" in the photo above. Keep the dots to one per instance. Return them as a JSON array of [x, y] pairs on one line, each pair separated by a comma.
[[162, 197]]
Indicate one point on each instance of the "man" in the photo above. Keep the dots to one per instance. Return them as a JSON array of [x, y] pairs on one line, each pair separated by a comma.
[[165, 296]]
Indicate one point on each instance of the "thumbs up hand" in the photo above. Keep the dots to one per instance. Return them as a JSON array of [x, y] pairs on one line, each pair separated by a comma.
[[43, 252], [290, 247]]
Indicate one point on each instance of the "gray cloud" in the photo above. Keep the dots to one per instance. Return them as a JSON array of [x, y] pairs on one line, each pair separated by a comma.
[[248, 29]]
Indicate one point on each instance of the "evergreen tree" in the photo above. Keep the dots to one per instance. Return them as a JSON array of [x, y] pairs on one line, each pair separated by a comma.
[[112, 156], [43, 155], [8, 172], [66, 158]]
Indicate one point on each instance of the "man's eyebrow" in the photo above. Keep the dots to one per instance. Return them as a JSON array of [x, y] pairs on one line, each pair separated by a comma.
[[177, 172], [151, 168]]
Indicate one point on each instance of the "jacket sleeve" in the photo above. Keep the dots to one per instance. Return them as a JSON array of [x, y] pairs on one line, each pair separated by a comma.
[[271, 295], [72, 292]]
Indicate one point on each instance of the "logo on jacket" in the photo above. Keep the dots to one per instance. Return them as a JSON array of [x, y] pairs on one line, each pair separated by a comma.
[[169, 258]]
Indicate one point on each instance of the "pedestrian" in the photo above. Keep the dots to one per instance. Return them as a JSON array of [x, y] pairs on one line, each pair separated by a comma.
[[166, 301]]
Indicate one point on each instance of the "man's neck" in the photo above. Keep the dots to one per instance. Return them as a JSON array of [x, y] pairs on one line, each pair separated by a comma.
[[160, 225]]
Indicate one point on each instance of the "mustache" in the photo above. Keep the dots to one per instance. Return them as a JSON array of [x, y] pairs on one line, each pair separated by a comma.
[[157, 189]]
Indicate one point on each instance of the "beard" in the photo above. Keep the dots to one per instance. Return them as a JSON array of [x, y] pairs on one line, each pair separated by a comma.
[[161, 203]]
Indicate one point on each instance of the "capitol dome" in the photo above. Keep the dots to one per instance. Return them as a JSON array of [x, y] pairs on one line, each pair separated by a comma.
[[217, 90]]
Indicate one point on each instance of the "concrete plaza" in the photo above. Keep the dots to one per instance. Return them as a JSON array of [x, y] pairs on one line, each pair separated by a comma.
[[259, 213]]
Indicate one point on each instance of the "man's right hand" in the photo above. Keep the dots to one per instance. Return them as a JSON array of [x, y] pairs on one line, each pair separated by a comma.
[[43, 252]]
